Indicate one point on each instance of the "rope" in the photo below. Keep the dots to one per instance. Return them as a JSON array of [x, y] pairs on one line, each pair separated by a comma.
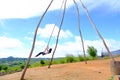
[[58, 34], [34, 40], [80, 30], [94, 26], [55, 24]]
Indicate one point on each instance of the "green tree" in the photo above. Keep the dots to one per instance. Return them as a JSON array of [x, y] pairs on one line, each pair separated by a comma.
[[0, 67], [5, 67], [22, 66], [92, 51], [42, 62], [70, 58]]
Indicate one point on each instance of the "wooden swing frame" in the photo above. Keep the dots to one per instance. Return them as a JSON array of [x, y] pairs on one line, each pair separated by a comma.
[[35, 34]]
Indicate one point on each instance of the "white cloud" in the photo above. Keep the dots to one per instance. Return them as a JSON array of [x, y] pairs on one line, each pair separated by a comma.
[[2, 23], [28, 38], [113, 5], [26, 8], [15, 52], [75, 47], [6, 43], [46, 32], [11, 47], [31, 8], [14, 47], [113, 44], [21, 8]]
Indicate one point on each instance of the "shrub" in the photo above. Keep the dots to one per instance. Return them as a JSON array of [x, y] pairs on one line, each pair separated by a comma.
[[70, 58], [42, 62], [22, 66], [5, 67], [62, 61], [2, 71], [81, 58], [0, 67], [92, 51], [55, 62]]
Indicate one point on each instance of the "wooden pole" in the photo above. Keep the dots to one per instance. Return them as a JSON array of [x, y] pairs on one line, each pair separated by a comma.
[[58, 34], [94, 26], [80, 31], [33, 45]]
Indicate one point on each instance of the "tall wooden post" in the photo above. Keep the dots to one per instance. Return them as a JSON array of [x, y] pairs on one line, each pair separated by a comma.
[[34, 40], [58, 34]]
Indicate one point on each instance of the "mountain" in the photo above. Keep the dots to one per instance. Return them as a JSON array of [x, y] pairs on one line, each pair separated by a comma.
[[117, 52], [114, 53]]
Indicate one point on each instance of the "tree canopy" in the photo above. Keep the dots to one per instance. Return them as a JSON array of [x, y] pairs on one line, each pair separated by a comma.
[[92, 51]]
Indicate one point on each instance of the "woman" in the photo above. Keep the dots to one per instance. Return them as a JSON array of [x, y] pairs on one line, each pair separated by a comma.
[[46, 51]]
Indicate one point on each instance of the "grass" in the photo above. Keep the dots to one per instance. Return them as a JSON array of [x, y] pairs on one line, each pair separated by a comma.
[[112, 77], [68, 59]]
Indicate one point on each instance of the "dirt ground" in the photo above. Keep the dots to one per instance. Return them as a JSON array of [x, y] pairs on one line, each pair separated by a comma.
[[94, 70]]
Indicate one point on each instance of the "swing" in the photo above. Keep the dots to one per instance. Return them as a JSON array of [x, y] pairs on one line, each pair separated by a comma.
[[34, 39], [115, 65], [49, 51]]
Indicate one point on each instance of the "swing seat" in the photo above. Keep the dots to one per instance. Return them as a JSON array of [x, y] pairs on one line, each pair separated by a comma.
[[115, 67]]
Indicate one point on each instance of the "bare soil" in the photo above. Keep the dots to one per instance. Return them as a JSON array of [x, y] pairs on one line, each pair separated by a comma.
[[93, 70]]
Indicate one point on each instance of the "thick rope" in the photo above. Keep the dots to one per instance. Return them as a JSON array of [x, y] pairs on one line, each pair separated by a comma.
[[80, 30], [34, 40], [94, 26], [55, 24], [58, 34]]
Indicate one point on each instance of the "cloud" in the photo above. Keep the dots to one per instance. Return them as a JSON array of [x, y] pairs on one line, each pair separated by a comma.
[[75, 47], [28, 38], [115, 5], [2, 23], [15, 52], [46, 32], [12, 47], [32, 8], [10, 43], [92, 4], [25, 8], [21, 8]]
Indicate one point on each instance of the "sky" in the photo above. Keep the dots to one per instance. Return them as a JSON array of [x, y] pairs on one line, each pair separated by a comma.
[[19, 18]]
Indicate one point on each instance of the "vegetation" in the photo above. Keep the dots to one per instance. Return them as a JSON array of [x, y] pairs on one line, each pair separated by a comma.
[[92, 52], [11, 65], [112, 77], [70, 58], [42, 62], [81, 58]]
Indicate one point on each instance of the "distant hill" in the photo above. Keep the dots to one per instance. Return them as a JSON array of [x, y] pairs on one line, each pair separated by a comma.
[[13, 60], [114, 53]]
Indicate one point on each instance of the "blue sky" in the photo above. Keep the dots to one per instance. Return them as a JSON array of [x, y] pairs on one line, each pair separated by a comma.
[[19, 18]]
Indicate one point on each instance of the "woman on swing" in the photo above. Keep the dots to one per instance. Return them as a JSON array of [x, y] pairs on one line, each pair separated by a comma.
[[46, 51]]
